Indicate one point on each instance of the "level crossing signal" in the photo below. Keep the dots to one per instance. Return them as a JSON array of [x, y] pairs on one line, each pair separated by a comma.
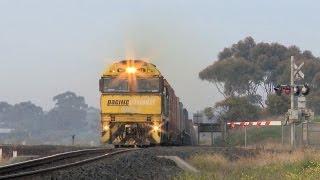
[[297, 90]]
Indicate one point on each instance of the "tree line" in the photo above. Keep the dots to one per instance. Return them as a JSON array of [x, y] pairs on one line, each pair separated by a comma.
[[246, 73], [70, 116]]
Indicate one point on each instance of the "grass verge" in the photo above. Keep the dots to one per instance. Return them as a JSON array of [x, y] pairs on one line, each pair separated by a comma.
[[299, 164]]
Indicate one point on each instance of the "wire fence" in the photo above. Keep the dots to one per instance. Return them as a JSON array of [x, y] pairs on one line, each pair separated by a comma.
[[306, 134]]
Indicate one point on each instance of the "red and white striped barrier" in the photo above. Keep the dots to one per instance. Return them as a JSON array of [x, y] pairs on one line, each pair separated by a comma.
[[254, 123]]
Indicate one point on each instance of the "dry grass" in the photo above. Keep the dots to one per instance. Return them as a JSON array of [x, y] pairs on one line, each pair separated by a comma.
[[271, 145], [298, 164], [267, 158]]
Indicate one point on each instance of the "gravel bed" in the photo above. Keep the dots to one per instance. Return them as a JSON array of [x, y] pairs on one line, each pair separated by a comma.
[[141, 164]]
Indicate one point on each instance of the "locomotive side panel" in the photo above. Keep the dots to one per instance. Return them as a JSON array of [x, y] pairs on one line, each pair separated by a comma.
[[173, 122]]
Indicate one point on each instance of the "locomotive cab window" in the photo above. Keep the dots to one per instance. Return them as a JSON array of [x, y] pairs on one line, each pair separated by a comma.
[[148, 85], [114, 85]]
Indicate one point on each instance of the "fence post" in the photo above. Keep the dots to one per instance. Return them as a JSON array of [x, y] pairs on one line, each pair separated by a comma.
[[303, 134], [212, 139], [73, 137], [307, 133], [198, 135], [245, 136], [293, 135], [282, 136], [224, 131], [302, 139]]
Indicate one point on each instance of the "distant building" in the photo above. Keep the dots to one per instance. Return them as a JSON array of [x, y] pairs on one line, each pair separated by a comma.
[[207, 128], [200, 117]]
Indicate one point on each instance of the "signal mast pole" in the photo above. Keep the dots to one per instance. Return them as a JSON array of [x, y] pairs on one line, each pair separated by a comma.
[[292, 139], [292, 82]]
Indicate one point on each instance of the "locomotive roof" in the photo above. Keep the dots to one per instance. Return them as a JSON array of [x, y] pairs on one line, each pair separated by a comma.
[[143, 68]]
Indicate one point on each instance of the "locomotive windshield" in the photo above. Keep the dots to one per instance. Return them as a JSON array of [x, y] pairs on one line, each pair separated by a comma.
[[148, 85], [115, 85], [123, 85]]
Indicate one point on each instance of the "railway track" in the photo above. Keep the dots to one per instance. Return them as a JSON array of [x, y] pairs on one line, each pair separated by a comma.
[[57, 162]]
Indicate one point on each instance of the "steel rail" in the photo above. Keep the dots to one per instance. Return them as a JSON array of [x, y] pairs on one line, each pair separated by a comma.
[[28, 173], [47, 159]]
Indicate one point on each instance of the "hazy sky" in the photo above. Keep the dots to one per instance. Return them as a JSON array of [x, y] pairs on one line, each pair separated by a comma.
[[48, 47]]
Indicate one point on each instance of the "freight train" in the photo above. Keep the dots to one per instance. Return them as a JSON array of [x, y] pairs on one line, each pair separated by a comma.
[[140, 108]]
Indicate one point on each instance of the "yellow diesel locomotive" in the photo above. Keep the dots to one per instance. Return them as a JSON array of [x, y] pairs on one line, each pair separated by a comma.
[[139, 107]]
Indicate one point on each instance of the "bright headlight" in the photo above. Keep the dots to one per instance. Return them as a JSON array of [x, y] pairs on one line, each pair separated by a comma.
[[106, 128], [131, 70], [156, 128]]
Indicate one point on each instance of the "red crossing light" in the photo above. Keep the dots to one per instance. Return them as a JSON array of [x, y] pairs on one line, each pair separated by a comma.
[[287, 90]]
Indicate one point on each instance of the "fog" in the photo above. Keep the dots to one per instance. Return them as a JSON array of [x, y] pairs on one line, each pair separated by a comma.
[[50, 47]]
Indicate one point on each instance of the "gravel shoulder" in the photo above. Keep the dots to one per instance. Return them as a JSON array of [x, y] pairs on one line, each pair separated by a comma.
[[140, 164]]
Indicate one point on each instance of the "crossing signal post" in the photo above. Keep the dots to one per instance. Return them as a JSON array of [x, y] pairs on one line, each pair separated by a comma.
[[295, 115]]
